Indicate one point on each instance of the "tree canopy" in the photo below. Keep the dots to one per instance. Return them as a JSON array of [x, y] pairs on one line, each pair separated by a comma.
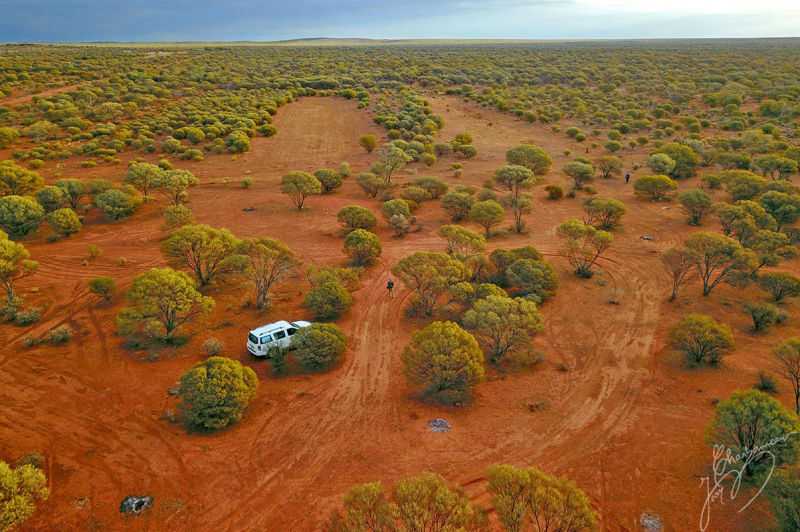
[[17, 181], [750, 420], [443, 363], [20, 489], [583, 245], [430, 276], [266, 261], [204, 250], [298, 186], [215, 393], [531, 157], [166, 297], [15, 264], [503, 324]]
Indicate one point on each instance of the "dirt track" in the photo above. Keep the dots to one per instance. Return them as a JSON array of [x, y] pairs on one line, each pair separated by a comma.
[[624, 420]]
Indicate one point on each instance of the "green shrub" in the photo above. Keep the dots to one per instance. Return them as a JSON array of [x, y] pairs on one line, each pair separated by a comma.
[[780, 285], [178, 216], [328, 301], [59, 335], [329, 179], [354, 217], [64, 222], [115, 204], [213, 346], [51, 198], [762, 314], [554, 192], [444, 363], [766, 383], [362, 246], [19, 215], [238, 142], [319, 345], [98, 186], [654, 187], [28, 316], [20, 489], [468, 151], [701, 339], [434, 186], [104, 287], [215, 393], [415, 194]]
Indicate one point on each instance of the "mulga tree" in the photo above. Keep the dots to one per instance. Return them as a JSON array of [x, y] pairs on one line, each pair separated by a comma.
[[15, 264], [430, 276], [516, 180], [143, 177], [443, 363], [266, 261], [583, 245], [202, 249], [165, 297], [717, 258], [502, 324], [753, 420], [697, 204], [174, 184], [299, 185]]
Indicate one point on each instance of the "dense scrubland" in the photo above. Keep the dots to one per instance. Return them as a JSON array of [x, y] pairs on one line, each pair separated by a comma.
[[589, 333]]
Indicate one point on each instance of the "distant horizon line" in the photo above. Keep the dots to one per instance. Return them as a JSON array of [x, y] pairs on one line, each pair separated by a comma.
[[401, 40]]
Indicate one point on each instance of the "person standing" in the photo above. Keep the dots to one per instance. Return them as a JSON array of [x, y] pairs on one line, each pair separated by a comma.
[[627, 177], [390, 288]]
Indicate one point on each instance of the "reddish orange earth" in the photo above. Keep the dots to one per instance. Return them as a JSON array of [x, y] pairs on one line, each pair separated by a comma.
[[25, 98], [625, 418]]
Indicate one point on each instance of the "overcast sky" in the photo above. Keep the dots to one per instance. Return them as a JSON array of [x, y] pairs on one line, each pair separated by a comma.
[[267, 20]]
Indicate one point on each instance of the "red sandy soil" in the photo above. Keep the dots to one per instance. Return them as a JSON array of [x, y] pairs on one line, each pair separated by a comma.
[[625, 418], [25, 98]]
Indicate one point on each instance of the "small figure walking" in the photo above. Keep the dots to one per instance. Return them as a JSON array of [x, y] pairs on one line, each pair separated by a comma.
[[390, 288], [627, 177]]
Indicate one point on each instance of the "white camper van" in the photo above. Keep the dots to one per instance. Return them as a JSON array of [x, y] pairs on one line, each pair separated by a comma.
[[277, 334]]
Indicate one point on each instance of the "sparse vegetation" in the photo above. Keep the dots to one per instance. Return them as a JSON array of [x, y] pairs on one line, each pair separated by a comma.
[[715, 122]]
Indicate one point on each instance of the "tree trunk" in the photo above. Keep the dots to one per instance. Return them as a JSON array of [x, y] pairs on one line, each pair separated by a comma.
[[797, 402]]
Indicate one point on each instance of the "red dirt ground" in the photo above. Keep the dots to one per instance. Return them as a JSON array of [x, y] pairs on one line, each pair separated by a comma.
[[625, 418], [25, 98]]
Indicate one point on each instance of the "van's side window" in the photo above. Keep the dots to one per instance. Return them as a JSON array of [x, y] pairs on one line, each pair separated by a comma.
[[291, 332], [266, 339], [279, 335]]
